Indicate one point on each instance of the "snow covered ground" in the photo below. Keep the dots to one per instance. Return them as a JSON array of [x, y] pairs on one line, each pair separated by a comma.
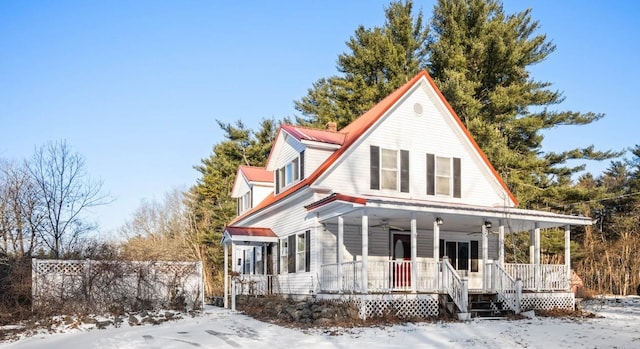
[[617, 326]]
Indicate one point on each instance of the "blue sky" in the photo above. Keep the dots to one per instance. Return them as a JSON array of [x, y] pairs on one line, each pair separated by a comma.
[[136, 86]]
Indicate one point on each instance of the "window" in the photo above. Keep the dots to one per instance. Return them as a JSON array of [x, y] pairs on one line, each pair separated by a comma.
[[301, 252], [289, 173], [389, 169], [295, 253], [443, 176], [463, 255], [284, 254], [244, 202]]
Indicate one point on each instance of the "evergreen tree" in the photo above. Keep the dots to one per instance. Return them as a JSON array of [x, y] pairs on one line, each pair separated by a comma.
[[380, 60], [479, 58], [210, 202]]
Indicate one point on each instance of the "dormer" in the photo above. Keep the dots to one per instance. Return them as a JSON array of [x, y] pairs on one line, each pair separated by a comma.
[[298, 151], [251, 186]]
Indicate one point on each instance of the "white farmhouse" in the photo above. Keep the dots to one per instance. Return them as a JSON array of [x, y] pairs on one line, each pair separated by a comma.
[[400, 208]]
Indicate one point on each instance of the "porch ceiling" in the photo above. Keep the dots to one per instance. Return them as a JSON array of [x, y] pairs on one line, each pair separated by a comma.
[[461, 218]]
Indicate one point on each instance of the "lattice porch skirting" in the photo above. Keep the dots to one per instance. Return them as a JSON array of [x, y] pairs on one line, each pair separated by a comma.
[[402, 305], [548, 301]]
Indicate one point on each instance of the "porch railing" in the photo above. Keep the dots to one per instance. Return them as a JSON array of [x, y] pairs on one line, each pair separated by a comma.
[[543, 277], [255, 285], [508, 289], [455, 286], [351, 277], [382, 276]]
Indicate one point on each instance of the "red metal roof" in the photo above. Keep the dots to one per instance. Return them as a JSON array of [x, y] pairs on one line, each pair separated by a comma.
[[256, 174], [250, 231], [336, 197], [359, 126], [316, 135]]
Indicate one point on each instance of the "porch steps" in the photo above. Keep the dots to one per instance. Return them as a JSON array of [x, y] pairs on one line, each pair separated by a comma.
[[485, 306]]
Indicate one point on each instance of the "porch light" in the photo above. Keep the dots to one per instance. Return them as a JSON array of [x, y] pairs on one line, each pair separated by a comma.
[[439, 221], [487, 224]]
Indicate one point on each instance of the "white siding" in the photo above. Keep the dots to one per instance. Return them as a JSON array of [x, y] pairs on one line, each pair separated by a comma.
[[260, 193], [314, 157], [379, 245], [290, 150], [241, 187], [433, 132], [291, 218]]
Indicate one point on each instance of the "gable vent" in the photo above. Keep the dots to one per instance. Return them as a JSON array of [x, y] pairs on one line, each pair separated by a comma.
[[417, 108]]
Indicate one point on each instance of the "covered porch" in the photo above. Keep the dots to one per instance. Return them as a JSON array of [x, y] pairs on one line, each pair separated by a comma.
[[387, 246], [248, 275]]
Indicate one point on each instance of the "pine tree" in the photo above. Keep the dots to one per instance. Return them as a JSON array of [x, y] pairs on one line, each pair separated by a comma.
[[380, 60], [210, 203], [479, 58]]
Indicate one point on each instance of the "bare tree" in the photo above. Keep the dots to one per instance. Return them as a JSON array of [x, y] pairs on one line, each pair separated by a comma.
[[158, 230], [20, 216], [65, 191]]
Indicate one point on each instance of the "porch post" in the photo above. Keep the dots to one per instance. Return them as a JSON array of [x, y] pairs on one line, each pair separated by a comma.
[[233, 279], [339, 251], [365, 251], [264, 259], [501, 243], [536, 259], [414, 253], [436, 254], [226, 275], [567, 253], [436, 242], [485, 258], [531, 247]]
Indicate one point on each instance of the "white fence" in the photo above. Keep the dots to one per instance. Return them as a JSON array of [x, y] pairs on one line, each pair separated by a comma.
[[88, 285]]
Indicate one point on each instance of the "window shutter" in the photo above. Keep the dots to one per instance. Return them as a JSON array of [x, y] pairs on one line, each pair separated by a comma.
[[307, 250], [375, 167], [302, 165], [276, 173], [442, 247], [253, 260], [404, 171], [292, 253], [457, 188], [238, 205], [431, 178], [474, 255], [278, 271], [244, 261]]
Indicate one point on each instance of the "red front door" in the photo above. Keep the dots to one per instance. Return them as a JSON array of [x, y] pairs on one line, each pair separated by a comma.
[[401, 260]]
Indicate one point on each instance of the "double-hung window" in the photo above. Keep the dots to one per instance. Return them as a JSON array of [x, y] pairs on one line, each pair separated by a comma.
[[295, 253], [244, 202], [290, 173], [443, 176], [389, 169], [301, 252], [284, 254]]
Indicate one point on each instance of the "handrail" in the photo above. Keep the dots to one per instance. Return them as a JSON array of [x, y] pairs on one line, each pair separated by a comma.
[[505, 286], [454, 286]]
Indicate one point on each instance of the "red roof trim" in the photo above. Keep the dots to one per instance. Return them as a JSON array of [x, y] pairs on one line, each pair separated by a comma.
[[336, 197], [250, 231], [473, 141], [314, 134]]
